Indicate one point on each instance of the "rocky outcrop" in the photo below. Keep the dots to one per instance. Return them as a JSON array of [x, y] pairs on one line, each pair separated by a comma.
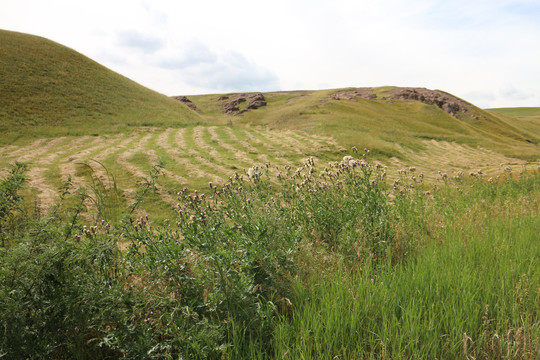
[[231, 107], [450, 104], [363, 93], [188, 102]]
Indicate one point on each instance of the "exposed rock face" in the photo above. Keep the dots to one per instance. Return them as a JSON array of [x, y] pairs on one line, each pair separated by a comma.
[[363, 93], [188, 102], [451, 104], [255, 102], [231, 107]]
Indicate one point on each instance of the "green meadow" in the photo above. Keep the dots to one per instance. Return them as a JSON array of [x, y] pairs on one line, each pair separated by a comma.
[[314, 227]]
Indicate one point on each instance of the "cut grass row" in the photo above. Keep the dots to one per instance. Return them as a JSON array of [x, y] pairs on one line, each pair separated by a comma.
[[193, 156]]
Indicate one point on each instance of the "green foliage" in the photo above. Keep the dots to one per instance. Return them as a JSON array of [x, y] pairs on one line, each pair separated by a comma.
[[104, 195], [471, 294], [279, 263], [10, 200]]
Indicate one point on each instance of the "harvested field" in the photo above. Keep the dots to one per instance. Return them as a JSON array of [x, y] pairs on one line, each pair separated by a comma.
[[193, 156], [452, 158]]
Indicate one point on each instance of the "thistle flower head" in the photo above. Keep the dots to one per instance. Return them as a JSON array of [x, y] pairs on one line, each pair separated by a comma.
[[347, 158]]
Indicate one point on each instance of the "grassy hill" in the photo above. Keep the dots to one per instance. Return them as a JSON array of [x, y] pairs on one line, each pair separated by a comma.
[[528, 117], [49, 89], [383, 122], [284, 257], [64, 114]]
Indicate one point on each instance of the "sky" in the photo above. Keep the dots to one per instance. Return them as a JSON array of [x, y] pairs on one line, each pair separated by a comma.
[[484, 51]]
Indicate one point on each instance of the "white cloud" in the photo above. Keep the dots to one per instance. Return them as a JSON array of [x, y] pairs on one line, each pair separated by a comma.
[[231, 72], [192, 55], [137, 40], [460, 46]]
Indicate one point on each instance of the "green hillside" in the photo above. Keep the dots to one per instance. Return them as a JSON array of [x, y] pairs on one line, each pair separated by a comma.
[[382, 122], [50, 89], [520, 112], [529, 117]]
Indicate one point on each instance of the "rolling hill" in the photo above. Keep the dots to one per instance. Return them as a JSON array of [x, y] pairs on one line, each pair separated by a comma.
[[48, 88], [380, 118], [67, 115]]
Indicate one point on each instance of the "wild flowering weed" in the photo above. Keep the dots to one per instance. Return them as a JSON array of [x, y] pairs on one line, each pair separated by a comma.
[[213, 279]]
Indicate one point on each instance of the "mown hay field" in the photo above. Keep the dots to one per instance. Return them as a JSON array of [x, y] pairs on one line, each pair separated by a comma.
[[194, 156]]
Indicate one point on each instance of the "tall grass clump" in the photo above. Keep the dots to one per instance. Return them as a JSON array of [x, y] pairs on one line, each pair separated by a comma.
[[103, 193]]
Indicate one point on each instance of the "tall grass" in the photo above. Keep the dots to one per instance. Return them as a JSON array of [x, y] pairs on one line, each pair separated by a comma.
[[280, 263], [472, 296]]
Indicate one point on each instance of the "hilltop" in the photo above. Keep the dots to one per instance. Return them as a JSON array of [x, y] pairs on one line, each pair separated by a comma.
[[48, 88], [382, 118]]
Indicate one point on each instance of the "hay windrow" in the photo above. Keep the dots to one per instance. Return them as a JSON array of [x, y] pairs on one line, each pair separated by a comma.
[[452, 158], [214, 153], [238, 154]]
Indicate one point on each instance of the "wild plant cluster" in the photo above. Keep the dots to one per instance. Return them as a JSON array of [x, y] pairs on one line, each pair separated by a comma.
[[215, 275], [211, 281]]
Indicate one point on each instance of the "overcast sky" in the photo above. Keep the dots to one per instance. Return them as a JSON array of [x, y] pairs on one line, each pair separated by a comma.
[[485, 51]]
